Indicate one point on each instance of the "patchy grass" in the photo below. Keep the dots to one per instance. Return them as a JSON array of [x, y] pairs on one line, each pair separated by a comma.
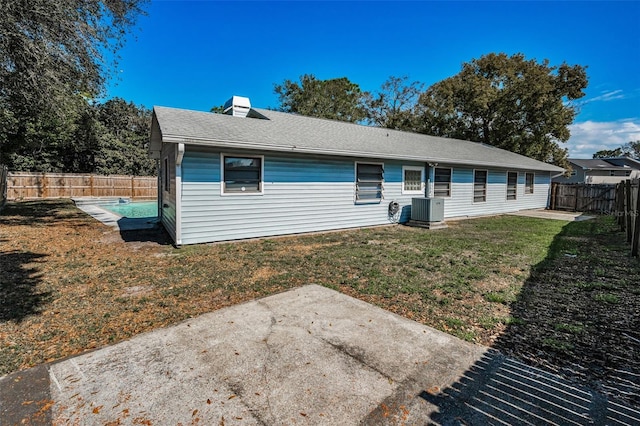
[[527, 285]]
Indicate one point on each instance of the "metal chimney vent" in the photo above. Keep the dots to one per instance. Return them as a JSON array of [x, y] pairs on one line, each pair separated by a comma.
[[237, 106]]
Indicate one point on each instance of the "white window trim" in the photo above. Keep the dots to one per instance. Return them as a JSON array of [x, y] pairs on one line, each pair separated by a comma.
[[422, 185], [506, 194], [533, 184], [355, 183], [241, 194], [450, 182], [486, 187]]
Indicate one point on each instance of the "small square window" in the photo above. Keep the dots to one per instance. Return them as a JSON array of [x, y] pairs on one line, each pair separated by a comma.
[[412, 180], [242, 175]]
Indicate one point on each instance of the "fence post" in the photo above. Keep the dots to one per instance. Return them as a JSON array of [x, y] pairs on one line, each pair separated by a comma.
[[636, 224], [132, 187], [627, 209]]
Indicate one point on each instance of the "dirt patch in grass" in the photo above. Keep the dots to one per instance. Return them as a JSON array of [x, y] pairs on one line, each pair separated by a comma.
[[564, 297]]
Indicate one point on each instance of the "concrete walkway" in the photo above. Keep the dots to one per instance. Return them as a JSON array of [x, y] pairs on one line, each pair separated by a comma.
[[309, 356]]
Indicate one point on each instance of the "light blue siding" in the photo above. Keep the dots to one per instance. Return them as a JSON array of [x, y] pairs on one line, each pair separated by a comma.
[[461, 203], [301, 194], [307, 194], [168, 199]]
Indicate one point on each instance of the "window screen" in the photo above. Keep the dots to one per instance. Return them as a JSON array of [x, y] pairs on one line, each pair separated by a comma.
[[442, 182], [479, 186], [528, 184], [369, 182], [512, 185]]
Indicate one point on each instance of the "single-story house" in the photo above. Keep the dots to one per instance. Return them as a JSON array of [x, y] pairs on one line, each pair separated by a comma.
[[601, 170], [256, 173]]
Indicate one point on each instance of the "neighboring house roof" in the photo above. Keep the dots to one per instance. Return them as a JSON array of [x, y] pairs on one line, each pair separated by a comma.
[[596, 164], [295, 133], [624, 161]]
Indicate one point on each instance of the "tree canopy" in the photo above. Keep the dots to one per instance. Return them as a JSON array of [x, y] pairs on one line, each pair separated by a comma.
[[393, 105], [336, 99], [506, 101], [630, 149], [54, 55], [107, 138]]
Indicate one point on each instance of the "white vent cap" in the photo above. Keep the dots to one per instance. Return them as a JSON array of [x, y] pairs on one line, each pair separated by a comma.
[[238, 106]]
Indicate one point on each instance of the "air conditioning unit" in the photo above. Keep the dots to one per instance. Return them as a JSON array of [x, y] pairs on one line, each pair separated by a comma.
[[427, 209]]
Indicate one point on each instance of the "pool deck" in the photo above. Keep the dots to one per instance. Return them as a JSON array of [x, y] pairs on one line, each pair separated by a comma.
[[93, 209]]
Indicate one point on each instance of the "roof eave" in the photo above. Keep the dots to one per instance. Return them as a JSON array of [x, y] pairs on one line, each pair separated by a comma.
[[230, 144]]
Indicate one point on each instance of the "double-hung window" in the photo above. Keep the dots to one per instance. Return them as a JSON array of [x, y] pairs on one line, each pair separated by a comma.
[[242, 175], [512, 185], [412, 180], [528, 183], [442, 182], [369, 182], [479, 186]]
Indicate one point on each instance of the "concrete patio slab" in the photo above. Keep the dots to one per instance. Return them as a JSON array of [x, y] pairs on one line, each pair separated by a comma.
[[309, 356], [553, 214]]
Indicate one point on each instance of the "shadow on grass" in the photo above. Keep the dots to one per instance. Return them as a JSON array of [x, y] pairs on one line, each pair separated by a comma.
[[19, 296], [41, 212], [571, 353]]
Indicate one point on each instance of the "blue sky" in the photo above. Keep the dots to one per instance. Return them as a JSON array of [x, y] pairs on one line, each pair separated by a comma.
[[196, 54]]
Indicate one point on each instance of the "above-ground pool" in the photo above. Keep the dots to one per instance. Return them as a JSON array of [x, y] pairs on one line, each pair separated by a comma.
[[136, 209]]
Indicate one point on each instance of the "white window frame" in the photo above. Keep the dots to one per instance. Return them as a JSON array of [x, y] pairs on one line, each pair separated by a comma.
[[355, 186], [450, 182], [422, 186], [533, 183], [241, 194], [486, 186], [516, 194]]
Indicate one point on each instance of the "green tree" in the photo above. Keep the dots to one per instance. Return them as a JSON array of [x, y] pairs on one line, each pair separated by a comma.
[[336, 99], [629, 149], [608, 153], [393, 105], [53, 53], [506, 101], [632, 149], [122, 135]]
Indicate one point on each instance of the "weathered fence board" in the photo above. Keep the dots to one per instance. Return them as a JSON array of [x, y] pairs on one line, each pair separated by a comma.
[[3, 184], [628, 212], [599, 198], [25, 185]]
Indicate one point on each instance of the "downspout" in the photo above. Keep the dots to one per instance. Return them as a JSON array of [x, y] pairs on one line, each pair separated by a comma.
[[179, 157]]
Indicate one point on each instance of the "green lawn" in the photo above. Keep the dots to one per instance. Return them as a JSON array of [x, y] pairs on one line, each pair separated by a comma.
[[74, 284]]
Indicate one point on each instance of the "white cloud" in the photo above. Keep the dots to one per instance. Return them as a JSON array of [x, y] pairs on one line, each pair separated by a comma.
[[606, 96], [588, 137]]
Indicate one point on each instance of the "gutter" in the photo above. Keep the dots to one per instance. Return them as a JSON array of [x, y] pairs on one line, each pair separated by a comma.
[[179, 158]]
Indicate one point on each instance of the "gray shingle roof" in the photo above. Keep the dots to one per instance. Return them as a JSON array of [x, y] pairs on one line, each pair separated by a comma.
[[295, 133], [596, 164]]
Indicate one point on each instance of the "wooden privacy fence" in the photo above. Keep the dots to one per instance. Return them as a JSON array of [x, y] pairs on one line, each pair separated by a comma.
[[3, 184], [579, 197], [25, 185], [628, 211]]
